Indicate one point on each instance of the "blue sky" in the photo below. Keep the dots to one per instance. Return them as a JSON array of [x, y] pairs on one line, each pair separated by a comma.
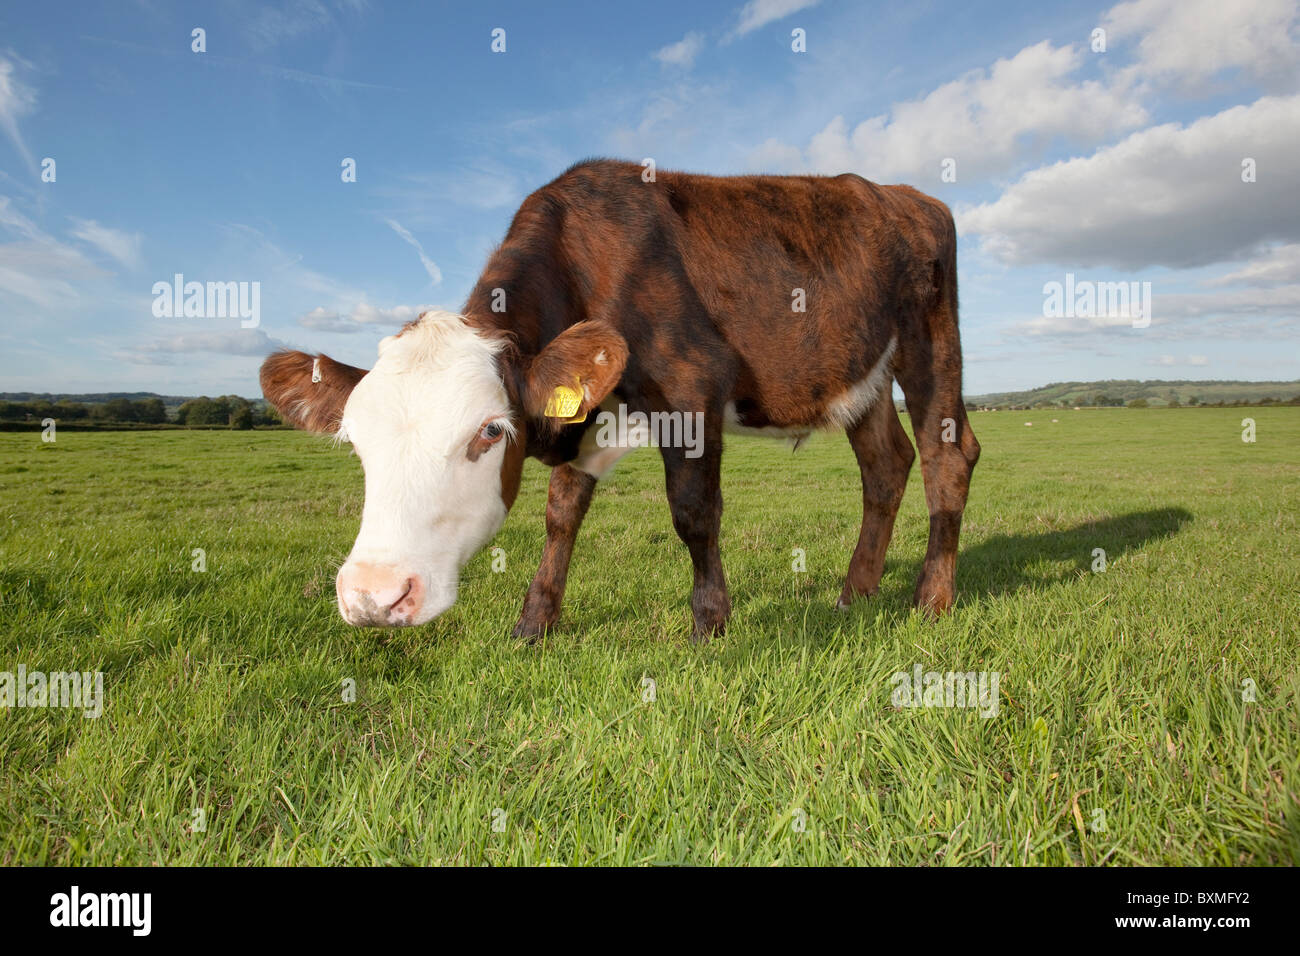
[[1122, 165]]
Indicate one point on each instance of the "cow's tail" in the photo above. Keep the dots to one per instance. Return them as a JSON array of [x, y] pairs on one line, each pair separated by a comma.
[[947, 264]]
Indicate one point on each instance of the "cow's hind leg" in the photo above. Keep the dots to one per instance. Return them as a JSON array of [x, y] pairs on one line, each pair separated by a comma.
[[885, 457], [567, 499], [931, 381]]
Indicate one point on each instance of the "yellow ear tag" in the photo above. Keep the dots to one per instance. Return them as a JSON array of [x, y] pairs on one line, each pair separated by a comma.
[[565, 402]]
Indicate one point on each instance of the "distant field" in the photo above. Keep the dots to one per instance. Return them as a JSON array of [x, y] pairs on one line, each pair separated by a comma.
[[1155, 393], [1121, 737]]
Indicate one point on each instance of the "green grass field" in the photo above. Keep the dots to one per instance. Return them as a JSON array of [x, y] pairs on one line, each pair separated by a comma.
[[1121, 737]]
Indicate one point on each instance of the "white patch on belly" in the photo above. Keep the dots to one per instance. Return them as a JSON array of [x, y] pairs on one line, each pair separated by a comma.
[[844, 410], [731, 425], [599, 461], [848, 407]]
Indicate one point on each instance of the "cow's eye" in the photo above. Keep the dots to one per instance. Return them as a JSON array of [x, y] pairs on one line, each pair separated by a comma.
[[491, 432]]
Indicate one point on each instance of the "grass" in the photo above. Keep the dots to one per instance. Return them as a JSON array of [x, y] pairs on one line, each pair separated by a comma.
[[1120, 692]]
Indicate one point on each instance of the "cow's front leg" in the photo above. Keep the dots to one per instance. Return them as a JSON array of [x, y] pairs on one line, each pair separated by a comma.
[[695, 499], [567, 499]]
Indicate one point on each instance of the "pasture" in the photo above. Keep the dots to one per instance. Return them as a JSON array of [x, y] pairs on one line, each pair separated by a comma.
[[1121, 734]]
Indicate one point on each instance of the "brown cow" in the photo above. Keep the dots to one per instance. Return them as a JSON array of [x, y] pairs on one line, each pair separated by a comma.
[[679, 299]]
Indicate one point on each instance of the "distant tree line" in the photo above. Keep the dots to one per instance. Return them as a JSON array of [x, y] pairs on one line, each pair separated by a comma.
[[228, 410], [1103, 401]]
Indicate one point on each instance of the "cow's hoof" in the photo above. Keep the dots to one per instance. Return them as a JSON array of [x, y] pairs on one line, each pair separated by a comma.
[[531, 631], [851, 594], [934, 602], [703, 633]]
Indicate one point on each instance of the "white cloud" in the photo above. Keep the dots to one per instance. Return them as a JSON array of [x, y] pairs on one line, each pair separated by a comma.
[[1168, 195], [1190, 41], [1283, 300], [16, 101], [14, 221], [1073, 325], [430, 266], [990, 120], [683, 52], [1279, 263], [37, 267], [423, 199], [122, 246], [984, 120], [1169, 361], [1261, 313], [366, 314], [248, 251], [326, 320], [42, 274], [247, 342], [759, 13], [363, 315]]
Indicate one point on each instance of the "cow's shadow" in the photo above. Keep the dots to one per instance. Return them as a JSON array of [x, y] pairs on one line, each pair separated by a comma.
[[1002, 564], [1006, 563]]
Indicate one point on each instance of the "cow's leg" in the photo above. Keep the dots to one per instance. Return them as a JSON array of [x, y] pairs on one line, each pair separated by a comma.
[[695, 500], [931, 381], [567, 499], [885, 457]]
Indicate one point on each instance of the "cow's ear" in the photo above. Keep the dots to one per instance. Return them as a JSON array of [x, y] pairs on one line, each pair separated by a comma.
[[309, 391], [574, 373]]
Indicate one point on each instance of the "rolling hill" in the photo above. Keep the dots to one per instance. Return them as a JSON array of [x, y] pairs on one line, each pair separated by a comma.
[[1153, 392]]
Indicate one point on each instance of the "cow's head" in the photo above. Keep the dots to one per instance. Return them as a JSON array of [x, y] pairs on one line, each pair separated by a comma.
[[439, 424]]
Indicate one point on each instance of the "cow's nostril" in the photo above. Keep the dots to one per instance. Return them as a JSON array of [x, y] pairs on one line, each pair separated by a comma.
[[410, 585]]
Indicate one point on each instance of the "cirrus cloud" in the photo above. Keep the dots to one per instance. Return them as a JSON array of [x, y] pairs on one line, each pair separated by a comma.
[[759, 13], [363, 315], [431, 267], [243, 342], [119, 245], [683, 52]]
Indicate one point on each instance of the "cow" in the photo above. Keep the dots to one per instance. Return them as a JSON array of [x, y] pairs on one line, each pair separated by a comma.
[[760, 304]]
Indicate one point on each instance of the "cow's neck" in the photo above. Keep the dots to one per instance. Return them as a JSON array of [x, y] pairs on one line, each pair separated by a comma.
[[526, 289]]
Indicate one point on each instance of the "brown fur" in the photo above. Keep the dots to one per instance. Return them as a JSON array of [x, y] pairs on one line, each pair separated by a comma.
[[686, 284], [566, 505], [512, 468], [315, 406], [589, 353], [696, 273]]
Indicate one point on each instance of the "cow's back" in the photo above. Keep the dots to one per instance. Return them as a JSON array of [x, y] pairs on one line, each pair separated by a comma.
[[788, 289]]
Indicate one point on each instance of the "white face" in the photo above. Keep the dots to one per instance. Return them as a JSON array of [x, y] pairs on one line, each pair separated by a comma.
[[431, 425]]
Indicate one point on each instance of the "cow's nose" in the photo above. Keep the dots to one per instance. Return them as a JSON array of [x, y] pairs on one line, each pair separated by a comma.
[[378, 595]]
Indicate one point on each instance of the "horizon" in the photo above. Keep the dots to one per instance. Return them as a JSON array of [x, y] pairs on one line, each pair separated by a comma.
[[128, 158], [85, 397]]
